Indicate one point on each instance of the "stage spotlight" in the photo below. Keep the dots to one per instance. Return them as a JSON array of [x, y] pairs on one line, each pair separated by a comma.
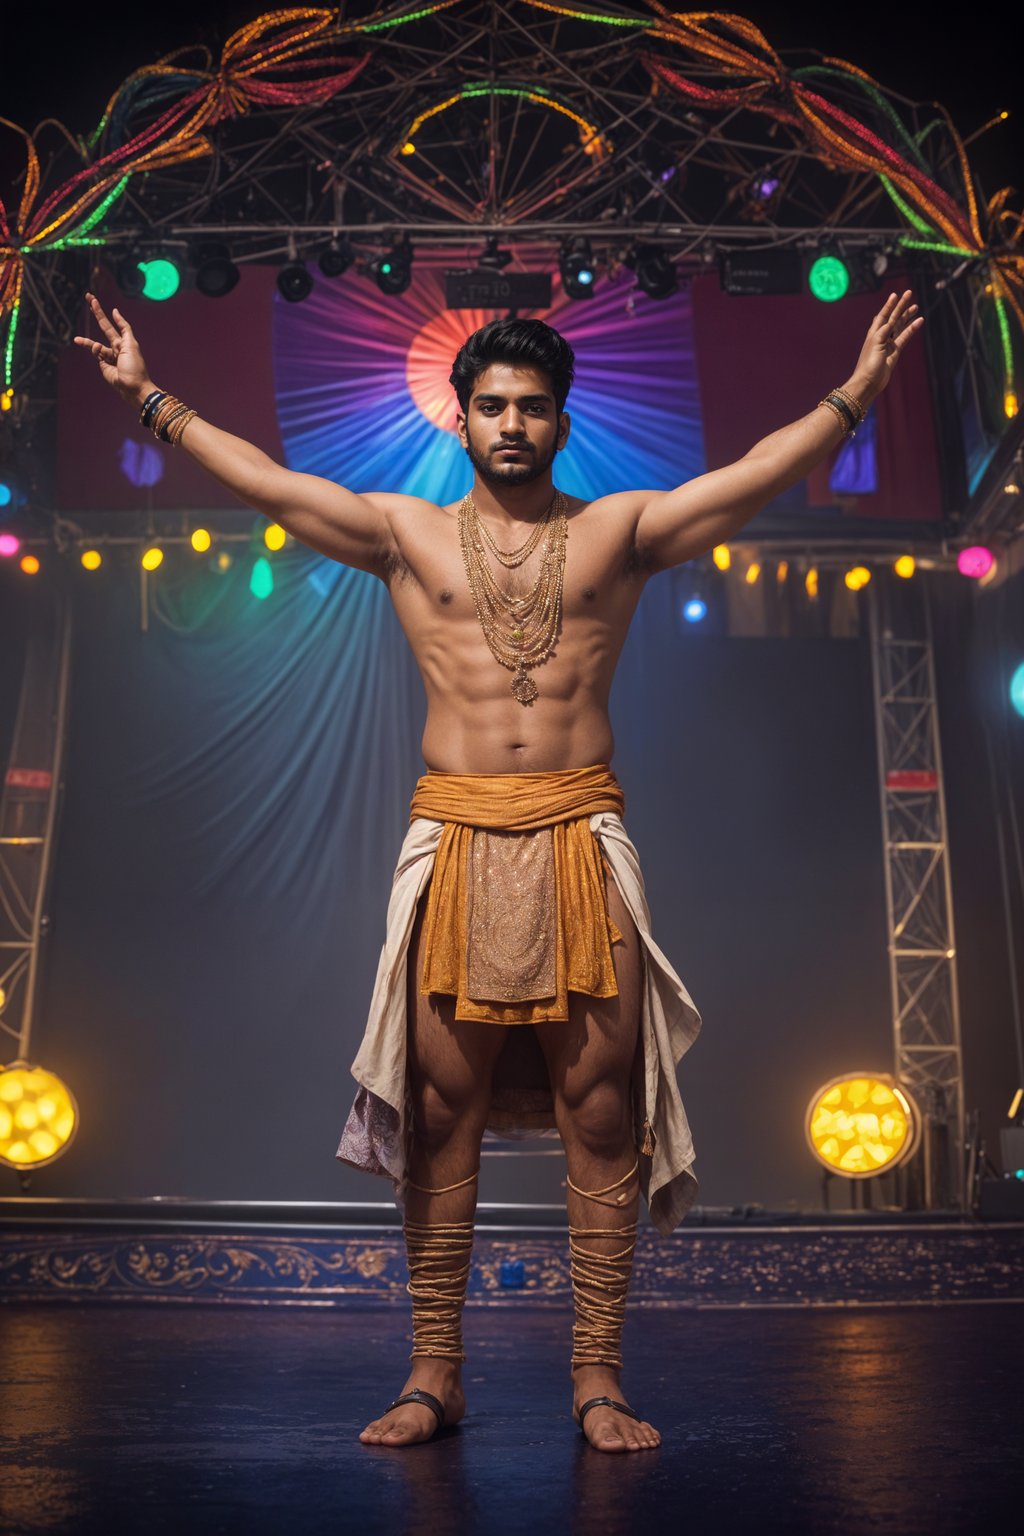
[[9, 544], [722, 556], [6, 494], [860, 1124], [694, 610], [274, 536], [781, 571], [38, 1116], [393, 271], [752, 572], [261, 582], [1017, 689], [91, 559], [152, 558], [30, 565], [201, 540], [828, 278], [656, 274], [335, 258], [975, 561], [811, 582], [294, 282], [216, 273], [577, 268], [905, 566], [858, 577]]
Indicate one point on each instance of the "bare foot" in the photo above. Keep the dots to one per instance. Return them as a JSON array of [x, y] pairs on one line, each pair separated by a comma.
[[413, 1422], [606, 1428]]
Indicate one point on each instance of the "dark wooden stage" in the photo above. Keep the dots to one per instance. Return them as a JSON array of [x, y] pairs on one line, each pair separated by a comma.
[[885, 1397]]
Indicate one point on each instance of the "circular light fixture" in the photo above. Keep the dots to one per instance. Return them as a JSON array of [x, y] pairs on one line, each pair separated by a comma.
[[38, 1116], [91, 559], [694, 610], [905, 566], [30, 565], [152, 558], [393, 270], [975, 561], [161, 278], [577, 268], [858, 577], [861, 1123], [9, 544], [1017, 689], [828, 279], [335, 259], [201, 540], [656, 274], [294, 282], [216, 273]]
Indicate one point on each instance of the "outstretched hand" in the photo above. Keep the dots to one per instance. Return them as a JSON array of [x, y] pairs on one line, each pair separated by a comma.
[[122, 364], [888, 334]]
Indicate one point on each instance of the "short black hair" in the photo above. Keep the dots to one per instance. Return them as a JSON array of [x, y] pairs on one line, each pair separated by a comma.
[[523, 344]]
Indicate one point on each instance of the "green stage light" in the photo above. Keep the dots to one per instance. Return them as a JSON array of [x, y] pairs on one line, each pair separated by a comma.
[[261, 582], [828, 279], [160, 278]]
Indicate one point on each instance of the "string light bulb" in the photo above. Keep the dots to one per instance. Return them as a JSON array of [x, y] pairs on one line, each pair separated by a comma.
[[274, 536], [905, 566], [152, 558], [752, 573], [722, 556], [30, 565], [91, 559], [201, 540]]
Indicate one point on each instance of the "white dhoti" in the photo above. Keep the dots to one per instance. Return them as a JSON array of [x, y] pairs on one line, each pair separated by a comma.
[[376, 1134]]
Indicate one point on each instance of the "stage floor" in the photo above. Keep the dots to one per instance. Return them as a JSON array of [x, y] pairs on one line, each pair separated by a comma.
[[208, 1419]]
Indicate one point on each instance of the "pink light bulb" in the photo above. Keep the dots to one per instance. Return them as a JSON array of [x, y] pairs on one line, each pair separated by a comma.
[[975, 561], [9, 544]]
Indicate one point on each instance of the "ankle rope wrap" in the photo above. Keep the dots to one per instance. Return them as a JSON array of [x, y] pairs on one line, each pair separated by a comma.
[[600, 1281], [439, 1255]]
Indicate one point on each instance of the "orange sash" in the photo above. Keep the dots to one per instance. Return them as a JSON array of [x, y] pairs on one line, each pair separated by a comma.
[[517, 913]]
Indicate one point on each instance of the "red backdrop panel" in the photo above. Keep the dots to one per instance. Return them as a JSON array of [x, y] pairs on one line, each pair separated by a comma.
[[763, 362], [215, 354]]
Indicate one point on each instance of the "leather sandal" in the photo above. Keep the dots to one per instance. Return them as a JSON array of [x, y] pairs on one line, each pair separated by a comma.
[[418, 1395], [609, 1402]]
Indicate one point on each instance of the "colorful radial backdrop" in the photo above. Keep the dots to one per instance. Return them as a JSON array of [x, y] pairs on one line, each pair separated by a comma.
[[363, 394]]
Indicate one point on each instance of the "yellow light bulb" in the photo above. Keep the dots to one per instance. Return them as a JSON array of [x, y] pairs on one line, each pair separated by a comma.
[[152, 558], [722, 556], [811, 582], [1010, 405], [223, 561], [781, 571], [30, 565], [38, 1116], [408, 148], [858, 577], [7, 400], [201, 540], [92, 559], [905, 566], [753, 572], [274, 536]]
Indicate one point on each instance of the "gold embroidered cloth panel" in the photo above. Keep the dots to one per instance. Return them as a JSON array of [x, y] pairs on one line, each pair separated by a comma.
[[516, 913]]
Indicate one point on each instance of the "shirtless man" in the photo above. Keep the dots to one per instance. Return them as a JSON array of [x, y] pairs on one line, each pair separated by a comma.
[[512, 379]]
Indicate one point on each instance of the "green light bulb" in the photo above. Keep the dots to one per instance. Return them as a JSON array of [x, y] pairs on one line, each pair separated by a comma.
[[829, 279], [160, 278], [261, 582]]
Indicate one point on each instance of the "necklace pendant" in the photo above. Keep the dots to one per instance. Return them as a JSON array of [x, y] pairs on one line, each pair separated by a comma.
[[524, 689]]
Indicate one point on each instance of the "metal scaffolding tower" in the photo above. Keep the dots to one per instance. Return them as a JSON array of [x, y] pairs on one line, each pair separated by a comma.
[[918, 888]]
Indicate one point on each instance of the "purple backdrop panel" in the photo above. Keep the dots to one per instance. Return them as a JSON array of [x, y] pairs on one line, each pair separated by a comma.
[[765, 361], [214, 353]]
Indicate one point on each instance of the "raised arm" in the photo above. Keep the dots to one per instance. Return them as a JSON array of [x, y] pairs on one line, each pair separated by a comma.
[[680, 524], [349, 527]]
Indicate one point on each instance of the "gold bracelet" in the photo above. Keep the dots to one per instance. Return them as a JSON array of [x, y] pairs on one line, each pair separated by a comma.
[[174, 433], [163, 411], [854, 404]]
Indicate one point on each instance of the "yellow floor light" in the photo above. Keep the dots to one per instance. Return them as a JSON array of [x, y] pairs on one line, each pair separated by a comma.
[[38, 1116], [861, 1124]]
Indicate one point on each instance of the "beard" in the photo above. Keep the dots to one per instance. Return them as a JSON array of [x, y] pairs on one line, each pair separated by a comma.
[[510, 474]]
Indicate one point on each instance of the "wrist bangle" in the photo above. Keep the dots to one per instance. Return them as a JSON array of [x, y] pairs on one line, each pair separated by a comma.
[[855, 405], [840, 412], [149, 405]]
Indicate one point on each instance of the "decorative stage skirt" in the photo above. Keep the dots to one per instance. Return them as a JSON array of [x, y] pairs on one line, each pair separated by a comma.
[[542, 880]]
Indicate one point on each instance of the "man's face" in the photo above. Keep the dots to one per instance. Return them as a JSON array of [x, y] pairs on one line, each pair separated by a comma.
[[511, 429]]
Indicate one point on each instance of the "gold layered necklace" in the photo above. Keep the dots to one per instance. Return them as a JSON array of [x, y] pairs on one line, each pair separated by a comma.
[[521, 631]]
